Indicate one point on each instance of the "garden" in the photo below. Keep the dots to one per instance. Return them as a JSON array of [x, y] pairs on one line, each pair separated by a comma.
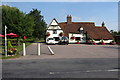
[[14, 46]]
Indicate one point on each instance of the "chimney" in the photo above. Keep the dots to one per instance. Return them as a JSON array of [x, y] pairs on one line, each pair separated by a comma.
[[103, 24], [69, 19]]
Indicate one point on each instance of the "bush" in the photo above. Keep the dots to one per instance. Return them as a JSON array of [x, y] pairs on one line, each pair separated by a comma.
[[9, 45], [11, 50]]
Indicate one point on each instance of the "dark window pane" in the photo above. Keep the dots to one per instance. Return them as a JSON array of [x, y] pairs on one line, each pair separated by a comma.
[[56, 38], [78, 38], [54, 31]]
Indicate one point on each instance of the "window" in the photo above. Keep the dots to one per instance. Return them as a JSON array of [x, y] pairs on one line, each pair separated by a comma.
[[81, 31], [57, 38], [78, 38], [54, 31], [84, 38]]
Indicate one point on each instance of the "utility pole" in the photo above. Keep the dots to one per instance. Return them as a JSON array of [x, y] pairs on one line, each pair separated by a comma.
[[5, 41]]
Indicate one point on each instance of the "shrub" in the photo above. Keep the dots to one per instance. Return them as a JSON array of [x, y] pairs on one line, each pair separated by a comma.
[[9, 45]]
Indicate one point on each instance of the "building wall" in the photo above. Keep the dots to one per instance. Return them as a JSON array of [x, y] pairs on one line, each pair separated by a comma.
[[77, 35], [53, 35], [54, 27], [105, 41]]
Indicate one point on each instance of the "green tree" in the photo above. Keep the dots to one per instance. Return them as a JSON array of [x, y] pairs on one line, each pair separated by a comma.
[[40, 25], [114, 32], [16, 21]]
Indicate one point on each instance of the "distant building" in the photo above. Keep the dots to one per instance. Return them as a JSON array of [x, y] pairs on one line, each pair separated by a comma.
[[78, 31]]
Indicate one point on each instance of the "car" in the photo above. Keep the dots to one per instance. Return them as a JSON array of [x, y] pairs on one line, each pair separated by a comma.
[[63, 40], [50, 41]]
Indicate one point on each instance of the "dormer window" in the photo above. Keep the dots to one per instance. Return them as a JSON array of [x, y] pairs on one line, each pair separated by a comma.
[[81, 30]]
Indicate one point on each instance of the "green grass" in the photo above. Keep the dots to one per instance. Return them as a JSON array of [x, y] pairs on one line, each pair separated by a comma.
[[40, 40], [10, 57], [19, 48]]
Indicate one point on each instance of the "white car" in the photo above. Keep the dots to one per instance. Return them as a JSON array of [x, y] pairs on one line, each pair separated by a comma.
[[50, 41]]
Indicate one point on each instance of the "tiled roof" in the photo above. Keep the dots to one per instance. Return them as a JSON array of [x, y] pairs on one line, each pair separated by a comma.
[[93, 31]]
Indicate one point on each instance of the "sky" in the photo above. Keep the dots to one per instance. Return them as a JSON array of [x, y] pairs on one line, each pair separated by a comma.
[[80, 11]]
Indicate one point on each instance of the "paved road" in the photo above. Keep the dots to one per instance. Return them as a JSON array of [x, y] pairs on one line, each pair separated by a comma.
[[69, 61], [61, 68]]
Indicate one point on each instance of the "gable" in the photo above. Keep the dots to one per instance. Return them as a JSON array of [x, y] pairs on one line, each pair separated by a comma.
[[54, 25], [54, 22]]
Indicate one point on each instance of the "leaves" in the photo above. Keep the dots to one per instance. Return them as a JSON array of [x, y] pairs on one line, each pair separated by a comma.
[[30, 25], [114, 32], [40, 25]]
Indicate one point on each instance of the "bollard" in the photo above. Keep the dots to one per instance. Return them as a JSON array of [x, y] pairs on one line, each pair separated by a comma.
[[24, 51], [38, 49], [50, 50]]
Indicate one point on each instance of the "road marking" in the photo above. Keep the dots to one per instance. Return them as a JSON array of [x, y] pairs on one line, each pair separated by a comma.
[[88, 71], [51, 50]]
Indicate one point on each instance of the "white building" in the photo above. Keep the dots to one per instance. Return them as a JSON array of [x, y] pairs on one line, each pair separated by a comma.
[[78, 31], [53, 30]]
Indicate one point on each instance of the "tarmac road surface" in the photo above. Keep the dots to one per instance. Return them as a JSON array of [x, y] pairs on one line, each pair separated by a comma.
[[69, 61], [61, 68]]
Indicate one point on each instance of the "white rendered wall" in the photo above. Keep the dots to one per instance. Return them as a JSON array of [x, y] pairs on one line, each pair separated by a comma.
[[105, 41], [53, 35], [76, 35]]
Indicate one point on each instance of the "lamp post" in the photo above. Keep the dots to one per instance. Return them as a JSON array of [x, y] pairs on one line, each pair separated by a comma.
[[5, 41]]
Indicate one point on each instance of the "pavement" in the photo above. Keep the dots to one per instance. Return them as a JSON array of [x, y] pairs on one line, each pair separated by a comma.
[[69, 61]]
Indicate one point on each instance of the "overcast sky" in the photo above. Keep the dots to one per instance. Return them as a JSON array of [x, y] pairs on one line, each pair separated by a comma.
[[81, 11]]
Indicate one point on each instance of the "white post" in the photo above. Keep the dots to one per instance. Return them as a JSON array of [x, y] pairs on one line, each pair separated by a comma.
[[38, 49], [24, 51], [5, 41]]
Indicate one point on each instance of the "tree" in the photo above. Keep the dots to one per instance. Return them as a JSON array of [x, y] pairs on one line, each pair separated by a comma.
[[30, 25], [40, 25], [114, 32], [16, 21]]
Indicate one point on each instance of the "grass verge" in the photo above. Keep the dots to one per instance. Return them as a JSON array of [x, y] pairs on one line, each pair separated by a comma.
[[19, 48]]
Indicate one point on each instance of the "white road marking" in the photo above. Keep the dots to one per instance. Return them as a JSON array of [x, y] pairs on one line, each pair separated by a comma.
[[88, 71], [51, 50]]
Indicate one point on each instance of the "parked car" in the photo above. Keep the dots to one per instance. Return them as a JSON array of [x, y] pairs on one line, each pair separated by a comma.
[[50, 41], [63, 40]]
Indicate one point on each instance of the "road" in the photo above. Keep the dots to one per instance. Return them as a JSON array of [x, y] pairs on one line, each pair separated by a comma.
[[61, 68], [72, 61]]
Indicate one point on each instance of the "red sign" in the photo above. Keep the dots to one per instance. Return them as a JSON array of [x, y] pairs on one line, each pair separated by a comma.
[[24, 37]]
